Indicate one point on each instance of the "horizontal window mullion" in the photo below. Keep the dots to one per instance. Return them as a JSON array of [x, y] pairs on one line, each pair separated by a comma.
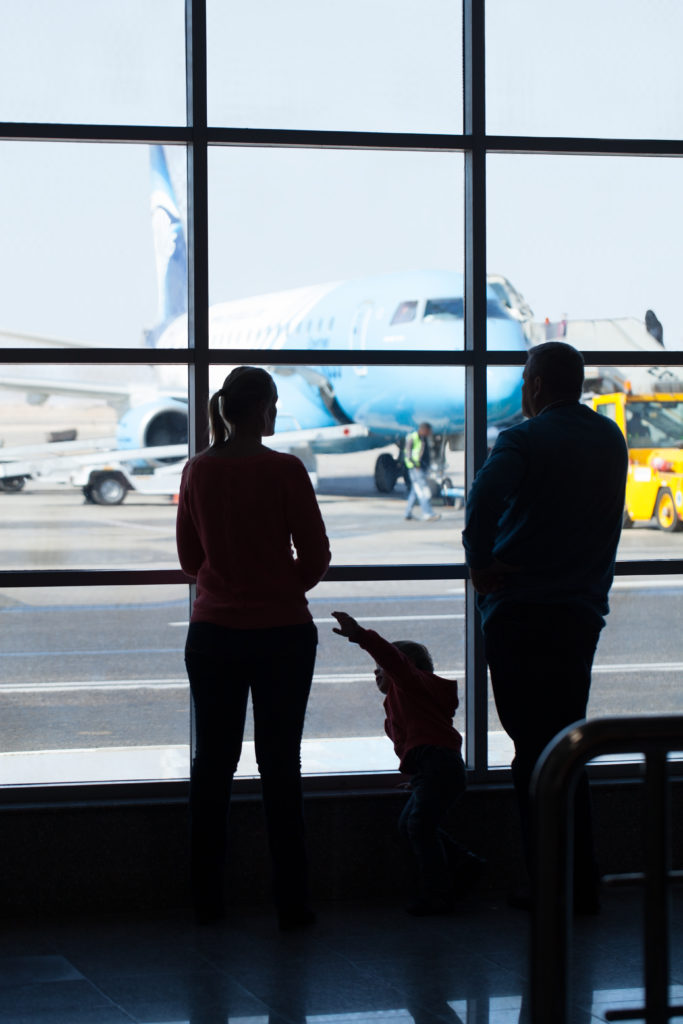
[[142, 134], [336, 574], [112, 356], [559, 145]]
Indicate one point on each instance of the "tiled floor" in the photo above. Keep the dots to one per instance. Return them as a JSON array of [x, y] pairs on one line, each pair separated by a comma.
[[360, 963]]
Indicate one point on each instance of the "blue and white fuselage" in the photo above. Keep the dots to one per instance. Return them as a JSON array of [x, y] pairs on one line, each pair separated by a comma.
[[399, 312]]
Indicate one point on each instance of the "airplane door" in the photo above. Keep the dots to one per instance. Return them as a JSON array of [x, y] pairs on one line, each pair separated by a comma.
[[359, 330]]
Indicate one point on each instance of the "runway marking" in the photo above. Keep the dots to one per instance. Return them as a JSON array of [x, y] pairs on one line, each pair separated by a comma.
[[319, 679], [88, 684], [645, 666], [373, 618]]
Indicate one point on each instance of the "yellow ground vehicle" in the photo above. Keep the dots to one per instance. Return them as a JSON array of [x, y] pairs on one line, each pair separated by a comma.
[[653, 427]]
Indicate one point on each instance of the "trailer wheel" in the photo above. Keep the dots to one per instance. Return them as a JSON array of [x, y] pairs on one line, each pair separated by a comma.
[[665, 512], [107, 489], [12, 484]]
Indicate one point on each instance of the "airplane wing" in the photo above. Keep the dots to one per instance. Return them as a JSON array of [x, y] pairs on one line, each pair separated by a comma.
[[139, 385], [15, 339]]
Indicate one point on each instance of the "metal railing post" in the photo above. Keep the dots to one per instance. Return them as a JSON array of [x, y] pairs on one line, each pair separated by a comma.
[[552, 789]]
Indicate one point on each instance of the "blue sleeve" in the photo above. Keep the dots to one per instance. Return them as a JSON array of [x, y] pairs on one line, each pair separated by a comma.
[[490, 494]]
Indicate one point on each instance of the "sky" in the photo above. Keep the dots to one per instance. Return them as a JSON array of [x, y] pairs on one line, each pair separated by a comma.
[[578, 236]]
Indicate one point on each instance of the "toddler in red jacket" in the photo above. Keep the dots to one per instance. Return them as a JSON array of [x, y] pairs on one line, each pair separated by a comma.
[[419, 707]]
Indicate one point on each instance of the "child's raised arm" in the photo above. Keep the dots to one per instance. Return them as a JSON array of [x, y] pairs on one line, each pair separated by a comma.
[[348, 626]]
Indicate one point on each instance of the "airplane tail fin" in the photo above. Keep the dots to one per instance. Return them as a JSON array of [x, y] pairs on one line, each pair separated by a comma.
[[170, 248]]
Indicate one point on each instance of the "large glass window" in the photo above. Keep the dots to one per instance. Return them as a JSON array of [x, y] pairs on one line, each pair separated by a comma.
[[604, 70], [345, 65], [110, 62], [354, 217]]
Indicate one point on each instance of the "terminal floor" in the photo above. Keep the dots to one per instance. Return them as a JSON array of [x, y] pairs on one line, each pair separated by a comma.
[[361, 962]]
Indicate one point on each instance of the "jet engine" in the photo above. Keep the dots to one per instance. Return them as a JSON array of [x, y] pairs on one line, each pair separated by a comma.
[[155, 423]]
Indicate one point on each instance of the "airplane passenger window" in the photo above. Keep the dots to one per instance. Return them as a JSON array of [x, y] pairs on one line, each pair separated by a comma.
[[405, 312]]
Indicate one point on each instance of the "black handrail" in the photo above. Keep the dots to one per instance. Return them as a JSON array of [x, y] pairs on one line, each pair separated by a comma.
[[552, 789]]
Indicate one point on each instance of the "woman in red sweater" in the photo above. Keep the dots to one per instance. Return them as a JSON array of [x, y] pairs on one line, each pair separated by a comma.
[[242, 510]]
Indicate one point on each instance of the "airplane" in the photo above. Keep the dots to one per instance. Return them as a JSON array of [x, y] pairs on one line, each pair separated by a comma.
[[322, 409], [402, 311]]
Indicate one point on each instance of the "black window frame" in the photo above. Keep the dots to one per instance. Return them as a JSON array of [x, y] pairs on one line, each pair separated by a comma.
[[474, 144]]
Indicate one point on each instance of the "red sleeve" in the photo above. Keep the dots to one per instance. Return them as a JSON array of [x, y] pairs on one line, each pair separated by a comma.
[[190, 551], [394, 662], [307, 529]]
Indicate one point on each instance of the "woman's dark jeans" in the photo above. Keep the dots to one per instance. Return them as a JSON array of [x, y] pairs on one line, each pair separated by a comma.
[[223, 665]]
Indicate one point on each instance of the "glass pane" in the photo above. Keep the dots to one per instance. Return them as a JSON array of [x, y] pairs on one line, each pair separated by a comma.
[[348, 66], [345, 720], [83, 262], [93, 685], [76, 442], [606, 70], [592, 244], [114, 61], [348, 425], [320, 236], [639, 658]]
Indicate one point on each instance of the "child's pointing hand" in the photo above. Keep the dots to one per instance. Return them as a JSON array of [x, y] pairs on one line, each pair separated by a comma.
[[347, 625]]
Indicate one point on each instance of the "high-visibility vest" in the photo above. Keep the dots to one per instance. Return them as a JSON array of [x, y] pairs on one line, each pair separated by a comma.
[[413, 450]]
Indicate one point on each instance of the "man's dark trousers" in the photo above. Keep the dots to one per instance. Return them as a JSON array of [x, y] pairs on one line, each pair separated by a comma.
[[540, 657]]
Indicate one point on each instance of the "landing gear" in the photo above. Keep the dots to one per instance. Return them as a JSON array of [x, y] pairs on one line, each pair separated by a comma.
[[387, 472]]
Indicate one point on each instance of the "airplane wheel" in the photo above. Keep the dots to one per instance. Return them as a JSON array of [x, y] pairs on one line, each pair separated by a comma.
[[665, 512], [107, 490], [387, 473]]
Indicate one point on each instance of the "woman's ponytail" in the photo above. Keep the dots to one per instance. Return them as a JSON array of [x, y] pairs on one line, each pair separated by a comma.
[[218, 428]]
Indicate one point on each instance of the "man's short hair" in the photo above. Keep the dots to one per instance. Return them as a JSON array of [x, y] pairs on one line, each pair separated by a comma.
[[560, 366]]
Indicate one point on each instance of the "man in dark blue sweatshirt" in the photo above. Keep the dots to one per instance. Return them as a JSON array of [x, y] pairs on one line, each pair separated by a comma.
[[542, 526]]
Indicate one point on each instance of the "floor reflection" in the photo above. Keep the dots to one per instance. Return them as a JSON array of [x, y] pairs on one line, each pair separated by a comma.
[[361, 963]]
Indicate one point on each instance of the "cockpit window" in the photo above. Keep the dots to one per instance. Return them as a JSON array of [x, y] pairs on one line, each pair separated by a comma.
[[445, 309], [405, 312], [454, 309]]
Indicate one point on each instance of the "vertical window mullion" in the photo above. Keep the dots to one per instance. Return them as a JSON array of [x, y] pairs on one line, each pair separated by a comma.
[[197, 223], [197, 244], [476, 685]]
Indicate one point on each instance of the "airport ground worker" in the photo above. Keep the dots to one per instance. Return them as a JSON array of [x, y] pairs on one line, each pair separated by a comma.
[[417, 458]]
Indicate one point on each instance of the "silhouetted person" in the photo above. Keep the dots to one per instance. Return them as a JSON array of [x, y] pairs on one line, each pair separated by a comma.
[[417, 456], [541, 531], [241, 508], [419, 706], [654, 327]]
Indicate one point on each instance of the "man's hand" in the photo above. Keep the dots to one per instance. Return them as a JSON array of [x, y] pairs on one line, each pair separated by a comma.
[[492, 577], [348, 626]]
